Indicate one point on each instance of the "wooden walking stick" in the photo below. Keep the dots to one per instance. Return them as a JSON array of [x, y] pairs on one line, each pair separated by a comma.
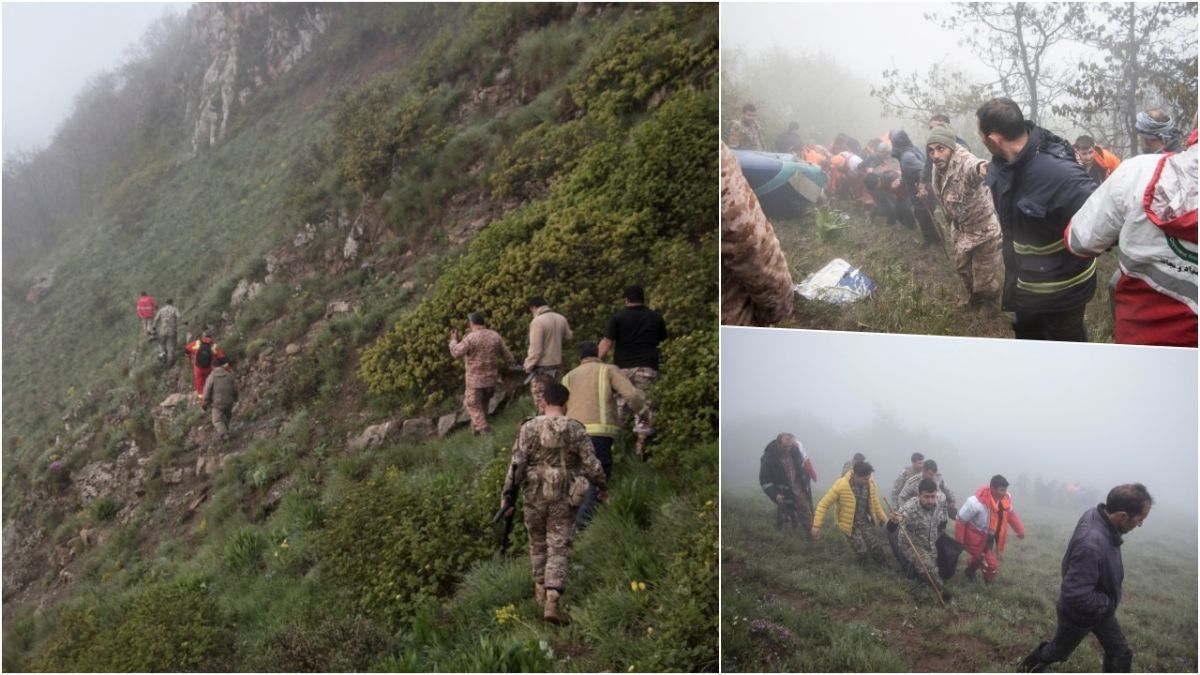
[[917, 556]]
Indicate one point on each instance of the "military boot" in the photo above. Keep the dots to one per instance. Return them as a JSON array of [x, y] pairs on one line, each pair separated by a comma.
[[539, 595], [1033, 663], [552, 612]]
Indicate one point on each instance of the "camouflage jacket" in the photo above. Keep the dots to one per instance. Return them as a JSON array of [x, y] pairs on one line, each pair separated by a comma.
[[549, 452], [746, 135], [756, 286], [220, 389], [965, 199], [910, 490], [166, 321], [923, 527], [483, 350], [900, 482]]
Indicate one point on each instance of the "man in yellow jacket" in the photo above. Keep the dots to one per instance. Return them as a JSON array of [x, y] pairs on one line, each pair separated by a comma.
[[858, 512], [594, 387]]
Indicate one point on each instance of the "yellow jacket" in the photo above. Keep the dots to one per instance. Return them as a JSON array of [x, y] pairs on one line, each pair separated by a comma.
[[841, 493]]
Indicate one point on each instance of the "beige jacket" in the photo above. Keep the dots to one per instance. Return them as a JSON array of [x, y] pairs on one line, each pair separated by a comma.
[[547, 332], [756, 285], [594, 386], [220, 390]]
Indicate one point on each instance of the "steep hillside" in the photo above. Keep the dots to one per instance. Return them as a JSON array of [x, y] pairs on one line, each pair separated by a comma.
[[330, 189]]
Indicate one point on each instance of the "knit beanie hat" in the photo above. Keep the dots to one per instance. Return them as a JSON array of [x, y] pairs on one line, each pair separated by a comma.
[[943, 135]]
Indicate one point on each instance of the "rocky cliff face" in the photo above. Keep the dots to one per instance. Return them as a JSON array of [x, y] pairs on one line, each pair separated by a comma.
[[246, 46]]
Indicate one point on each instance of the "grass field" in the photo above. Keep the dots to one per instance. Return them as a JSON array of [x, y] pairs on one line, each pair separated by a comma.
[[917, 289], [789, 605]]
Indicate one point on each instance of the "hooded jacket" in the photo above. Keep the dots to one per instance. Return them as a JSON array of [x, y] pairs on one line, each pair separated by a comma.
[[912, 158], [1092, 570], [1036, 195], [1148, 208]]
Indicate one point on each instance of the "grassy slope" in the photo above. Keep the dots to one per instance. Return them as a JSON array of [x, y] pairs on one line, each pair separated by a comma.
[[789, 605], [917, 288], [249, 563]]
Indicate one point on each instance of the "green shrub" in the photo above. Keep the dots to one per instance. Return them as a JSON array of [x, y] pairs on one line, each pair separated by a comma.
[[105, 508], [398, 539], [244, 551], [329, 646], [687, 408]]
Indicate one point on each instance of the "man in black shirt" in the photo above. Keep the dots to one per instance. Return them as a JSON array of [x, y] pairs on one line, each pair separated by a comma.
[[636, 331]]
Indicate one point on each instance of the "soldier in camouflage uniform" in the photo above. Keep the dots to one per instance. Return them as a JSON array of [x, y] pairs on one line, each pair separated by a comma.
[[924, 519], [756, 285], [974, 229], [858, 513], [220, 393], [551, 452], [166, 327], [483, 350], [744, 133], [633, 335], [912, 487], [914, 469]]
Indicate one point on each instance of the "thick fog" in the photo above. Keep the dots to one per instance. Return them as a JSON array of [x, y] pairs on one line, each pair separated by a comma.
[[51, 50], [1091, 415]]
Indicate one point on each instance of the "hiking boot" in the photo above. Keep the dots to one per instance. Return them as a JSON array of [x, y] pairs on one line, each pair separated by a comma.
[[947, 596], [1122, 663], [539, 595], [1033, 663], [552, 612]]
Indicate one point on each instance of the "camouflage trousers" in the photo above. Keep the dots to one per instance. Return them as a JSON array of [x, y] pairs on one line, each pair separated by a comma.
[[220, 420], [475, 400], [148, 326], [866, 545], [537, 385], [798, 512], [550, 525], [643, 379], [978, 263], [166, 349], [920, 564]]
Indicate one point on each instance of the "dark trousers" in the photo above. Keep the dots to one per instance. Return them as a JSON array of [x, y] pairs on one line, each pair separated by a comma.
[[1118, 657], [603, 447], [1064, 326]]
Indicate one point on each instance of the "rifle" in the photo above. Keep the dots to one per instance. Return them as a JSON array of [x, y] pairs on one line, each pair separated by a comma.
[[507, 512]]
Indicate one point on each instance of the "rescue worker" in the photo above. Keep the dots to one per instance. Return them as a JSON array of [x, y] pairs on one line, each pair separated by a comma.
[[858, 513], [1037, 186], [928, 471], [974, 230], [483, 350], [636, 331], [745, 133], [166, 327], [595, 386], [981, 526], [220, 393], [1148, 209], [756, 285], [789, 141], [1157, 131], [203, 352], [913, 469], [547, 332], [924, 519], [937, 121], [1092, 574], [553, 459], [1097, 161], [785, 474], [855, 459], [912, 163], [146, 308]]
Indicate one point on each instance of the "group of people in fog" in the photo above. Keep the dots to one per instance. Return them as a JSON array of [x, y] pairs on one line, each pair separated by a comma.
[[915, 522], [1008, 219]]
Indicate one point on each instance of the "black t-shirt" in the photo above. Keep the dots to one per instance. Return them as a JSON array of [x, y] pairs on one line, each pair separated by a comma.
[[637, 332]]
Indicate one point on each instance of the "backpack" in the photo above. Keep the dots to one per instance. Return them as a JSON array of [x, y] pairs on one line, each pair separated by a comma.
[[204, 355]]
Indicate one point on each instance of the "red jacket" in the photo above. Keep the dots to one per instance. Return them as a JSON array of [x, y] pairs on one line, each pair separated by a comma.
[[146, 306]]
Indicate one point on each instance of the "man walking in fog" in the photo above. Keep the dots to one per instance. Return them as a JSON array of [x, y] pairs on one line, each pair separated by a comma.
[[1092, 573], [785, 474], [982, 527]]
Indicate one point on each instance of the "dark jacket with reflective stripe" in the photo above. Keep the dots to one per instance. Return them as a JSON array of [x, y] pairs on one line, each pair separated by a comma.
[[1035, 195], [773, 478], [1092, 570]]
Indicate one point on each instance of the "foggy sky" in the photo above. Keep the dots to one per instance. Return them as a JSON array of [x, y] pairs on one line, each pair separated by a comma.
[[1098, 414], [865, 37], [50, 52]]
